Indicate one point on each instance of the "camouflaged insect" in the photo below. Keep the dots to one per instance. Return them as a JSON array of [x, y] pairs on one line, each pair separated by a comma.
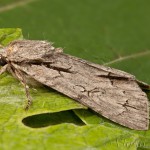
[[114, 94]]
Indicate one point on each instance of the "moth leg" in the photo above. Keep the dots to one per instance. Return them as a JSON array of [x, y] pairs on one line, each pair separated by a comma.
[[3, 69], [20, 77], [29, 100], [143, 85]]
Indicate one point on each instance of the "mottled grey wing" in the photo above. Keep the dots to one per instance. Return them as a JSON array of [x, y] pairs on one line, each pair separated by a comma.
[[112, 93]]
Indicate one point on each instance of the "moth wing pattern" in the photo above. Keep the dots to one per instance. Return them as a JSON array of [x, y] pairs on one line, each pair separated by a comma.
[[112, 93], [119, 99]]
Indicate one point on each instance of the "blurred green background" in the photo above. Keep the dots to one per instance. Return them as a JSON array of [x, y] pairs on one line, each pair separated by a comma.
[[96, 30]]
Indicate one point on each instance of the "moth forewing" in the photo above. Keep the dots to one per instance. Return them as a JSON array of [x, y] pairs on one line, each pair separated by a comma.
[[110, 92]]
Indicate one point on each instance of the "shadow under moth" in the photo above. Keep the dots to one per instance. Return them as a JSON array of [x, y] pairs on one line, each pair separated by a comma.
[[112, 93]]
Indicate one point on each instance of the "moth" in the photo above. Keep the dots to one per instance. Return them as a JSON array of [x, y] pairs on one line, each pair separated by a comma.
[[112, 93]]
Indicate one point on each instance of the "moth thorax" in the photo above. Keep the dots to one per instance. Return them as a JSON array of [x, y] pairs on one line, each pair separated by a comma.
[[11, 49]]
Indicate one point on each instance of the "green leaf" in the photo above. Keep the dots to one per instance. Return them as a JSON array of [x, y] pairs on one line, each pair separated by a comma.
[[9, 34], [67, 137], [100, 31]]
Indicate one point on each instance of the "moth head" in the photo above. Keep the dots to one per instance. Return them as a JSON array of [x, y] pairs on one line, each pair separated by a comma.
[[2, 61]]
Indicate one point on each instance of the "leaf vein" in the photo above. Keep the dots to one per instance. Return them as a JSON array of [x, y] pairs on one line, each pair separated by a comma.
[[14, 5], [128, 57]]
